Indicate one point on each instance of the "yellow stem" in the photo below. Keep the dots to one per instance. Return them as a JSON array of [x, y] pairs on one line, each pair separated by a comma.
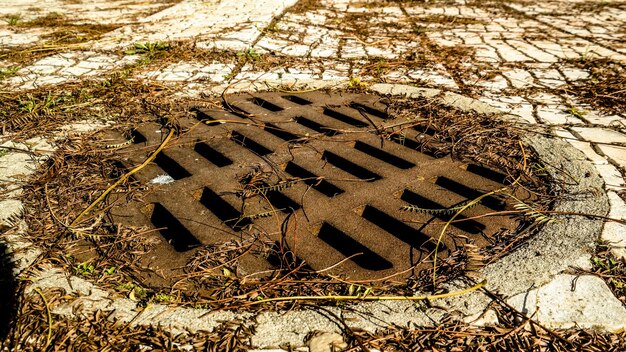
[[122, 179], [478, 199], [445, 227]]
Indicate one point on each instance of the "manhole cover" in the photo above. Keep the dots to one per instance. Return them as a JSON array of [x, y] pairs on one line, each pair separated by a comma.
[[311, 174]]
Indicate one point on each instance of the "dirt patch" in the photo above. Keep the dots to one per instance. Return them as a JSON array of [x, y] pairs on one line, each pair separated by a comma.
[[446, 21], [305, 6], [58, 34], [22, 56], [597, 6], [113, 96], [157, 55], [605, 89], [64, 30]]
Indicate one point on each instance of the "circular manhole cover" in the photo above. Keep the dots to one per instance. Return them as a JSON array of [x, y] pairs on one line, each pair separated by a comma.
[[325, 181]]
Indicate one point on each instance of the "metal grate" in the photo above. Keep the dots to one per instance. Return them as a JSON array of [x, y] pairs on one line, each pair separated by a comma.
[[309, 170]]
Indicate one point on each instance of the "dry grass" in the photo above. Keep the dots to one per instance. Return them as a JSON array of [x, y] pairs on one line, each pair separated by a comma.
[[115, 96], [514, 332], [597, 6], [605, 89], [32, 332]]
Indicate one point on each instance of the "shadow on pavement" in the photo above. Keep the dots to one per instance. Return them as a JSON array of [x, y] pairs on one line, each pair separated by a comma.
[[8, 287]]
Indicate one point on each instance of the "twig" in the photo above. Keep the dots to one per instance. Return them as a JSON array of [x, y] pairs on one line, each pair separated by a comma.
[[45, 188], [45, 301]]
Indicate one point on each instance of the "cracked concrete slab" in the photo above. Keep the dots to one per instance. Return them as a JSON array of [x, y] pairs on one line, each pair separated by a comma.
[[570, 301]]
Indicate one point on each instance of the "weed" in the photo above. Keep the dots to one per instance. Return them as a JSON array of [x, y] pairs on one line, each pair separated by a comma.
[[138, 294], [37, 107], [147, 48], [8, 71], [532, 213], [358, 290], [109, 271], [608, 265], [85, 269], [115, 77], [12, 20], [148, 51], [539, 170], [135, 293], [400, 138], [445, 211], [27, 106], [613, 270], [420, 30], [125, 286], [249, 55], [355, 82], [585, 56], [272, 28], [576, 112], [163, 298], [230, 76], [3, 152]]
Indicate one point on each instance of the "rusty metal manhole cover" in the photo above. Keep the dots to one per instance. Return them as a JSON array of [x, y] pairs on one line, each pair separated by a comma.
[[307, 172]]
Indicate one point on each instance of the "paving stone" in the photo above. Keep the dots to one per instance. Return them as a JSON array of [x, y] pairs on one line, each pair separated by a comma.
[[616, 154], [571, 301], [519, 78], [433, 76], [584, 147], [599, 118], [235, 24], [512, 105], [615, 232], [611, 175], [600, 135], [574, 74], [495, 84], [533, 51], [74, 71], [17, 162], [556, 115]]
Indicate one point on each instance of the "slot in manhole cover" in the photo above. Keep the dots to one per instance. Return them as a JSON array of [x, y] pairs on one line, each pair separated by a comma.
[[310, 174]]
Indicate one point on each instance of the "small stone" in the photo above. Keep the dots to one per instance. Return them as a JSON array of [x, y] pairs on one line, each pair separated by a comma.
[[327, 342], [162, 180]]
